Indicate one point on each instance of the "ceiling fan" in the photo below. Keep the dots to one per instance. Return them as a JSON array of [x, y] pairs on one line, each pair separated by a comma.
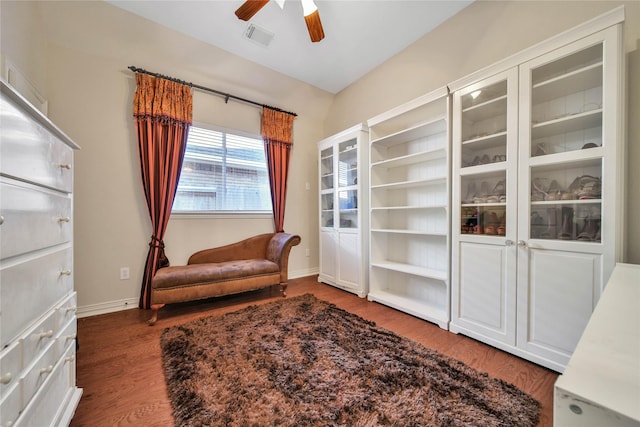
[[309, 10]]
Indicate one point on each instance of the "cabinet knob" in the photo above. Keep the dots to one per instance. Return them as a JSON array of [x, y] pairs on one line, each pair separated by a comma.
[[65, 273], [70, 337], [47, 334], [64, 166], [509, 242], [64, 219], [575, 409], [69, 358], [6, 378], [1, 220], [68, 309], [46, 370], [522, 243]]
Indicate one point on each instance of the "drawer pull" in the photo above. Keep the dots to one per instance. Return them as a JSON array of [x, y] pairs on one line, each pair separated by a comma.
[[69, 358], [68, 309], [64, 219], [47, 334], [6, 378], [65, 273], [64, 166], [46, 370], [1, 220], [70, 337], [575, 409]]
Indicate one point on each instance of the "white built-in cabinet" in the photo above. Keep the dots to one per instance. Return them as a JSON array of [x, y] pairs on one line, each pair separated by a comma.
[[37, 298], [409, 212], [537, 193], [343, 210]]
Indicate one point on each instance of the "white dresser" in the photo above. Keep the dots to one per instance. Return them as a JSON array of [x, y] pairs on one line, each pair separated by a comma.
[[37, 299], [601, 385]]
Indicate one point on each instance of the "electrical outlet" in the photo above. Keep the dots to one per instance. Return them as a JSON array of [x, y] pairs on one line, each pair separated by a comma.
[[124, 273]]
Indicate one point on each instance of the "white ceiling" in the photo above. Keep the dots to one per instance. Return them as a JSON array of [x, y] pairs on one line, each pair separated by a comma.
[[359, 35]]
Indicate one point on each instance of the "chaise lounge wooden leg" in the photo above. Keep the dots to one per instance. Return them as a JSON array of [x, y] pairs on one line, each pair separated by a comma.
[[154, 313], [283, 289]]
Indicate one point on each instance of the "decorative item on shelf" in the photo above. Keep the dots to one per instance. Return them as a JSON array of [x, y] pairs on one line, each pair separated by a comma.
[[471, 193], [568, 228], [498, 195], [502, 229], [589, 145], [554, 192], [537, 225], [491, 227], [482, 196], [589, 187], [499, 158], [538, 190], [551, 231], [541, 149], [590, 230]]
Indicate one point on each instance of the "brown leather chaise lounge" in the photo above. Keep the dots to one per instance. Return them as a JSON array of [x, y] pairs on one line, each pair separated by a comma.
[[254, 263]]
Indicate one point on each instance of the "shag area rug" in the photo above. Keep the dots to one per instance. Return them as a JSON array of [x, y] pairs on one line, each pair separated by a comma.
[[304, 362]]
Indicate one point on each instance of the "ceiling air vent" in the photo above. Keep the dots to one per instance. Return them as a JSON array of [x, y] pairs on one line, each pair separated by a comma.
[[259, 35]]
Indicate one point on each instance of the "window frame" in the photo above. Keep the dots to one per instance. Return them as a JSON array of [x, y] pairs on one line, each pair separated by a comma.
[[226, 214]]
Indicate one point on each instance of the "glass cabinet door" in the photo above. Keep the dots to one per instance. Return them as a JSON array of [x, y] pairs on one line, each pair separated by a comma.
[[327, 188], [484, 159], [565, 150], [348, 184]]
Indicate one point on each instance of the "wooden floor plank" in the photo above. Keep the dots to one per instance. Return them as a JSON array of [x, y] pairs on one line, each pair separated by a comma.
[[119, 366]]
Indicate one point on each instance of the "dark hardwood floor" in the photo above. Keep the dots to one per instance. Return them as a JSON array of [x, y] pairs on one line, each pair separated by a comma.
[[119, 367]]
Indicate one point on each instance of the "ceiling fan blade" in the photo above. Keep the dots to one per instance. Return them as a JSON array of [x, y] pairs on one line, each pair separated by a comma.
[[250, 8], [314, 25]]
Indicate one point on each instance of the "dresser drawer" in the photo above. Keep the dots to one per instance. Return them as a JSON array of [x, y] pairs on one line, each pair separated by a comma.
[[53, 397], [38, 338], [10, 367], [33, 218], [66, 337], [31, 288], [30, 151], [37, 373], [66, 310], [10, 404]]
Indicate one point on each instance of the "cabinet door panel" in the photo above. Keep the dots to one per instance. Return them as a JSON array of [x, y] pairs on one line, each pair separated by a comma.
[[328, 249], [486, 297], [562, 292], [349, 259]]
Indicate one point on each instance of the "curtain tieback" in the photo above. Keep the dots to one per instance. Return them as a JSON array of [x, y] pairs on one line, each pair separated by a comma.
[[156, 243]]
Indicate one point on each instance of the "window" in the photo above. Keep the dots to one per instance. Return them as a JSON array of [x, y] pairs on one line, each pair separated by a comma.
[[222, 172]]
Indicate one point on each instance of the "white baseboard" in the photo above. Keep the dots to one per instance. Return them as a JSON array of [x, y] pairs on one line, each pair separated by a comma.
[[126, 304], [107, 307], [303, 273]]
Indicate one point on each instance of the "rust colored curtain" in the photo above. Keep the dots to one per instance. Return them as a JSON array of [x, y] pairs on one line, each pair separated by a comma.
[[277, 129], [162, 110]]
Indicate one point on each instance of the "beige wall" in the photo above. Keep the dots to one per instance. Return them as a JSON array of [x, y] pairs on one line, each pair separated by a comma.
[[89, 46], [480, 35], [76, 53]]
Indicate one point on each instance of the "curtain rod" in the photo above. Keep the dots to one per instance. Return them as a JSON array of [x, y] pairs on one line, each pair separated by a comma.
[[226, 96]]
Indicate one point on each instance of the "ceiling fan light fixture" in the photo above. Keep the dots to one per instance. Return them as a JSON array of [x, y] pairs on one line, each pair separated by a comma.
[[308, 7], [314, 25], [250, 8]]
